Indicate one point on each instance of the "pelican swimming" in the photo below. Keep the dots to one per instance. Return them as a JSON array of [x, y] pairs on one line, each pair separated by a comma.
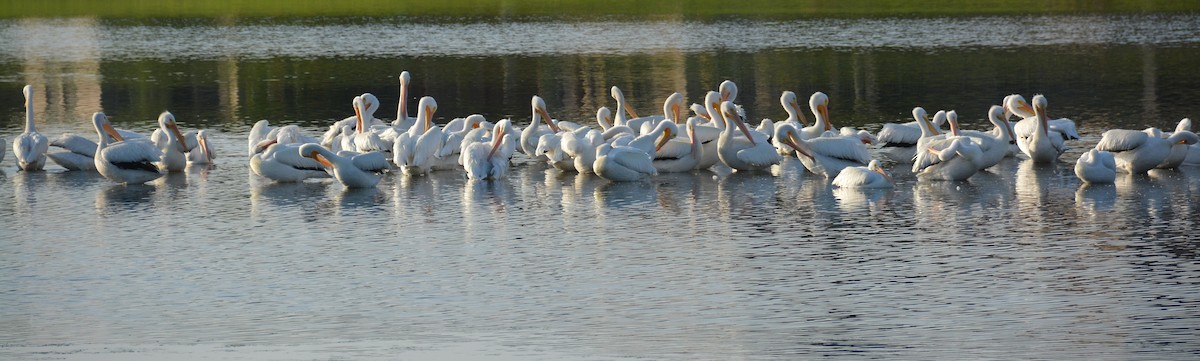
[[1016, 105], [671, 158], [484, 161], [795, 118], [622, 163], [343, 169], [951, 159], [871, 176], [824, 155], [994, 144], [1041, 146], [1096, 166], [133, 162], [416, 153], [751, 152], [282, 162], [531, 133], [1179, 151], [900, 140], [30, 147], [79, 155], [170, 141], [202, 153], [1137, 152], [818, 103]]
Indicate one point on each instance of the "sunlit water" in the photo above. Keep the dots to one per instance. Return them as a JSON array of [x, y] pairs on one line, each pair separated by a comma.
[[1020, 262]]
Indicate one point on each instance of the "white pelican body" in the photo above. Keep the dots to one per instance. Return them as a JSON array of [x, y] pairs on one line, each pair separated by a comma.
[[1179, 151], [416, 153], [531, 133], [900, 140], [871, 176], [202, 153], [622, 163], [550, 146], [1096, 166], [447, 158], [818, 103], [484, 161], [1140, 151], [582, 149], [263, 131], [994, 144], [671, 158], [752, 152], [171, 143], [30, 147], [131, 162], [282, 162], [824, 155], [1065, 128], [80, 154], [951, 159], [343, 169], [1041, 146]]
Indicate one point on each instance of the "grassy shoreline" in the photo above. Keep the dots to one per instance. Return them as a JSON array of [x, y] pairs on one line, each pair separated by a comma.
[[576, 8]]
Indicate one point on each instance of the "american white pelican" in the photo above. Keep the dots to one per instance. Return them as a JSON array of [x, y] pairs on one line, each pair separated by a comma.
[[490, 161], [1179, 152], [994, 144], [366, 137], [30, 147], [1096, 166], [582, 149], [343, 169], [1016, 105], [531, 133], [282, 162], [169, 141], [729, 92], [871, 176], [623, 108], [79, 155], [650, 141], [795, 117], [415, 153], [447, 158], [202, 153], [1041, 146], [124, 162], [819, 104], [403, 121], [824, 155], [951, 159], [622, 163], [671, 158], [549, 146], [604, 118], [1137, 152], [751, 152], [1192, 157], [900, 140]]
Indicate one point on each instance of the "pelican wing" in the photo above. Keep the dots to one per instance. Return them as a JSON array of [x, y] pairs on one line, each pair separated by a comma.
[[925, 158], [851, 177], [761, 155], [73, 161], [132, 155], [374, 162], [1119, 140], [675, 148], [1064, 126], [75, 144], [428, 145], [633, 159], [893, 135], [850, 149]]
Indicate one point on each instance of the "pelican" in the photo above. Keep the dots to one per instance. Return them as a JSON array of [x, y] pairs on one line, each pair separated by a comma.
[[622, 163], [824, 155], [1192, 157], [671, 158], [124, 162], [282, 162], [1096, 166], [871, 176], [951, 159], [819, 104], [550, 146], [531, 133], [795, 118], [343, 169], [79, 155], [415, 153], [403, 121], [201, 153], [171, 143], [623, 108], [1179, 152], [729, 92], [30, 147], [1040, 145], [1140, 151], [751, 152], [366, 137], [900, 140], [582, 149], [447, 158], [994, 144], [483, 161], [1015, 104]]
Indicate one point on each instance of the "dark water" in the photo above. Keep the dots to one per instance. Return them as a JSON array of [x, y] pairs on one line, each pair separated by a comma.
[[1021, 262]]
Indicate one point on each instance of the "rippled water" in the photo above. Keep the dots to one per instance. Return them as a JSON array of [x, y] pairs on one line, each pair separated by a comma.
[[1021, 262]]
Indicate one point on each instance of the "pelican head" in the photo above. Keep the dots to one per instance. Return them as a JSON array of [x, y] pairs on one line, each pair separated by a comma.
[[616, 93], [405, 78], [1039, 109], [474, 121], [316, 152], [539, 110], [874, 166], [499, 131], [792, 106], [996, 116], [100, 121], [712, 101], [670, 131], [1016, 105], [729, 111], [166, 121], [819, 103], [728, 91], [370, 104], [27, 90], [700, 111], [357, 103], [428, 106], [202, 139], [788, 134], [952, 118], [673, 107], [604, 117]]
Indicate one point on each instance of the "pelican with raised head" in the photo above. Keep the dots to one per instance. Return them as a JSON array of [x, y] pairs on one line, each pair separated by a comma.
[[30, 147], [133, 162]]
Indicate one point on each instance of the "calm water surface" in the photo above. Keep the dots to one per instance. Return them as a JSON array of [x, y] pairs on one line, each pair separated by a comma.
[[1020, 262]]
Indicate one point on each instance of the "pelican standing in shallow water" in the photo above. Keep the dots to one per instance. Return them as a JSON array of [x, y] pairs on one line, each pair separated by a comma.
[[170, 141], [133, 162], [1096, 166], [343, 169], [871, 176], [1041, 146], [201, 153], [30, 147], [484, 161], [751, 152], [826, 156]]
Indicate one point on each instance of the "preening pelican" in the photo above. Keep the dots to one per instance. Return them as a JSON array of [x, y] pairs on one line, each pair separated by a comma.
[[994, 144], [343, 169], [282, 162], [1179, 151], [202, 153], [1041, 146], [671, 157], [124, 162], [871, 176], [824, 155], [951, 159], [622, 163], [818, 103], [1096, 166], [582, 149], [550, 146], [415, 152], [1140, 151], [531, 133], [79, 155], [623, 108], [900, 140], [169, 141], [30, 147], [1015, 104], [490, 161], [751, 152], [795, 118]]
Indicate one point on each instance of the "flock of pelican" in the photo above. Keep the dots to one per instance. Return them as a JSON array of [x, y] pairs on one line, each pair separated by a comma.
[[623, 146]]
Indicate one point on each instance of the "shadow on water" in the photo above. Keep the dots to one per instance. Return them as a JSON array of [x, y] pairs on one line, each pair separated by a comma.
[[618, 195], [350, 198], [117, 199]]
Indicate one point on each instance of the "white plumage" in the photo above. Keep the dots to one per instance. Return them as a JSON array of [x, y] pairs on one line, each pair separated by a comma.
[[343, 168], [30, 146], [622, 163], [1140, 151], [871, 176], [1096, 166], [130, 162]]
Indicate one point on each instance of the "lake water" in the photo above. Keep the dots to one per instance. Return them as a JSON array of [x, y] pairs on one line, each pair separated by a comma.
[[1021, 262]]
